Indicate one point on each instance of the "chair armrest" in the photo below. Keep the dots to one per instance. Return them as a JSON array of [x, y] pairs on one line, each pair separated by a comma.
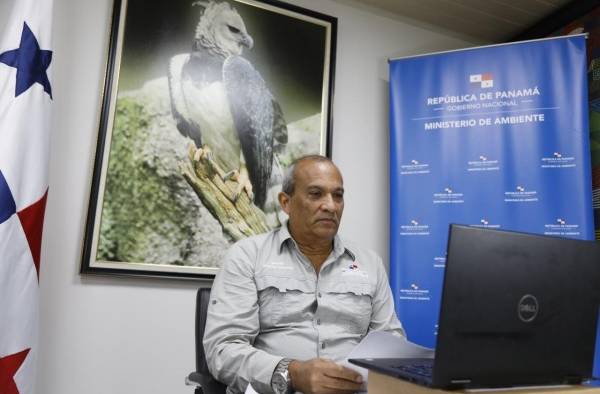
[[194, 379], [206, 383]]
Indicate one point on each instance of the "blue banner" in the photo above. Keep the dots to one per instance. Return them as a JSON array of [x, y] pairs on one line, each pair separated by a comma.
[[494, 137]]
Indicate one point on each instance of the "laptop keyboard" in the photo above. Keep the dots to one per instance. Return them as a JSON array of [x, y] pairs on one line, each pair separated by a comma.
[[416, 369]]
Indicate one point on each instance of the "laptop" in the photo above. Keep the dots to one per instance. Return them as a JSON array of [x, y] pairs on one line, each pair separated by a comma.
[[517, 309]]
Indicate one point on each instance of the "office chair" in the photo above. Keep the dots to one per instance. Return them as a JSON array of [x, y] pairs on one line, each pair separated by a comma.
[[204, 382]]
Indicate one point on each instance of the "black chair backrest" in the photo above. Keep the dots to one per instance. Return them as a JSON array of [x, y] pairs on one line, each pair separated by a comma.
[[209, 384]]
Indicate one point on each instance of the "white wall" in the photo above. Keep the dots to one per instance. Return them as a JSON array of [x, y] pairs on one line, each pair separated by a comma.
[[116, 335]]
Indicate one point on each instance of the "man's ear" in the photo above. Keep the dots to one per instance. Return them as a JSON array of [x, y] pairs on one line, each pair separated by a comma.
[[284, 201]]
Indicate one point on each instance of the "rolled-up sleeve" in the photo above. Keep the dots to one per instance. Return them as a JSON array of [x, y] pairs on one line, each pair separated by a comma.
[[233, 323], [383, 316]]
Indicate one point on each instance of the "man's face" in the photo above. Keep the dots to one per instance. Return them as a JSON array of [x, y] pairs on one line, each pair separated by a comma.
[[315, 208]]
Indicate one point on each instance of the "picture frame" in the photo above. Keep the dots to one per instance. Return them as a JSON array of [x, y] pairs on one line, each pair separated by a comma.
[[204, 105]]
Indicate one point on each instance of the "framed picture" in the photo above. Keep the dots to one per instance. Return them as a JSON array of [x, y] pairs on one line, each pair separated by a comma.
[[205, 104]]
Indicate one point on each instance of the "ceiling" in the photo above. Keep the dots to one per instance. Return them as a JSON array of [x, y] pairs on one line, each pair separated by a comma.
[[482, 20]]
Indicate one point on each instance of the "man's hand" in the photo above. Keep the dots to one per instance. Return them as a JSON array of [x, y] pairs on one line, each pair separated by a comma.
[[322, 376]]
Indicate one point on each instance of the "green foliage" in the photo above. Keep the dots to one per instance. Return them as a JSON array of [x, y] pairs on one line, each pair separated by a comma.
[[139, 219]]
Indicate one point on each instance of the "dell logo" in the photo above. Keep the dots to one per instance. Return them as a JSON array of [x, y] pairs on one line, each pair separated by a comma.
[[528, 308]]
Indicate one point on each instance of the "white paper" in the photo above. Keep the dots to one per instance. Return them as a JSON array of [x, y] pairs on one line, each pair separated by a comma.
[[381, 344]]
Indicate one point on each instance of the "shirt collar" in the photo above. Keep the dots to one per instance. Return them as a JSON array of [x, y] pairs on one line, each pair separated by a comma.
[[339, 248]]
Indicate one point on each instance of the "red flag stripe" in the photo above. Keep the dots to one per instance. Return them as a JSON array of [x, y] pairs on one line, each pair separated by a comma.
[[32, 220]]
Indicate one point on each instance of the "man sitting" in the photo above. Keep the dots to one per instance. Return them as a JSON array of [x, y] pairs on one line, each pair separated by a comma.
[[288, 305]]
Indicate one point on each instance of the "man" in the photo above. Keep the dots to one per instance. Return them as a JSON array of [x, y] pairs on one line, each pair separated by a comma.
[[287, 305]]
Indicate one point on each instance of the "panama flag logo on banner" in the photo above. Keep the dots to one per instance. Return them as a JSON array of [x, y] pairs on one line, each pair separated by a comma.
[[483, 80], [25, 105]]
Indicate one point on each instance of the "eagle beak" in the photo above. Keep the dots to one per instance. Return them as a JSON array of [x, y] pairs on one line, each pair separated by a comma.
[[247, 41]]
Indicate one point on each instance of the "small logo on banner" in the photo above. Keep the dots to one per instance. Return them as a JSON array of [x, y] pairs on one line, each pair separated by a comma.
[[414, 293], [483, 80], [484, 223], [558, 160], [562, 228], [449, 196], [520, 195], [414, 228], [414, 168], [483, 163], [439, 262]]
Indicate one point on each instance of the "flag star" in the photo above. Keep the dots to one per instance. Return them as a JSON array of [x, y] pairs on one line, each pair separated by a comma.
[[30, 61], [9, 366]]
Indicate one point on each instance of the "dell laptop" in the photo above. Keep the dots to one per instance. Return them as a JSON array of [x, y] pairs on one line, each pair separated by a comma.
[[517, 309]]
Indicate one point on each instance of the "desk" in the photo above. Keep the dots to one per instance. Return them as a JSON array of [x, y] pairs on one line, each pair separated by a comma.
[[384, 384]]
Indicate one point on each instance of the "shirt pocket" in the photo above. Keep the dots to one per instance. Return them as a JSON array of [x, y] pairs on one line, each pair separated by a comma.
[[353, 303], [283, 300]]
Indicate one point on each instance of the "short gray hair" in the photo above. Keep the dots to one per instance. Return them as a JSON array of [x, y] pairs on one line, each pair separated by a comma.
[[289, 177]]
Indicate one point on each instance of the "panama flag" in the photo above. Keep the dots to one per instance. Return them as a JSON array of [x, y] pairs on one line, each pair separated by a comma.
[[483, 80], [25, 105]]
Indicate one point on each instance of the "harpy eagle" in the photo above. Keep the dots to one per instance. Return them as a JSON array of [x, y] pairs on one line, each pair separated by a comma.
[[220, 100]]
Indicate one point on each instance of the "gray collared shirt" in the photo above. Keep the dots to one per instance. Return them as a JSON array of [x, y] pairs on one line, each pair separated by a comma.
[[267, 303]]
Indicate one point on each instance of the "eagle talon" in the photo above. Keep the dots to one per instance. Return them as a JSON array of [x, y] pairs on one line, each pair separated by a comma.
[[233, 175], [198, 154], [243, 187], [243, 181]]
